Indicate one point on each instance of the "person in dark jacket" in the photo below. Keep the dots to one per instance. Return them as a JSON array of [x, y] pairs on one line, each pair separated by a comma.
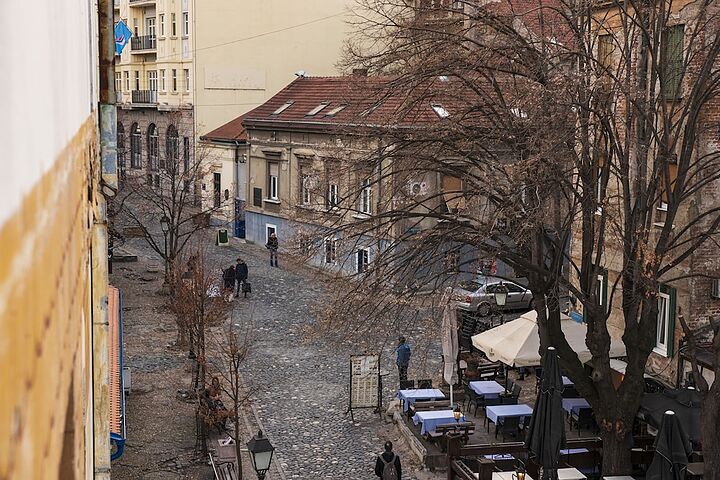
[[229, 278], [389, 457], [241, 274], [272, 245], [403, 358]]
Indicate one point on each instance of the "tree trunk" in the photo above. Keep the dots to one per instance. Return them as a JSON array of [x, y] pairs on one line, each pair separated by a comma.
[[710, 427], [616, 452], [238, 453]]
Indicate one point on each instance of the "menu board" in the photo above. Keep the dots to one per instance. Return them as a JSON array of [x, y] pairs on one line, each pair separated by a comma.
[[364, 381]]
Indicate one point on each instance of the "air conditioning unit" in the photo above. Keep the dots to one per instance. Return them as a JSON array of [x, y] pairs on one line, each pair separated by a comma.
[[715, 288]]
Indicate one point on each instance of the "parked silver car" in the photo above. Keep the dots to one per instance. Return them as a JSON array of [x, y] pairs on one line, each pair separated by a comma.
[[478, 295]]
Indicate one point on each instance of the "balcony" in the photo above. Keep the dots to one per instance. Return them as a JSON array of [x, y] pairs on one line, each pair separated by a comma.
[[144, 43], [147, 97], [141, 3]]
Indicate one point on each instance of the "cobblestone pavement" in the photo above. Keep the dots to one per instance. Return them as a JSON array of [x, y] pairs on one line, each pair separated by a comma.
[[301, 388]]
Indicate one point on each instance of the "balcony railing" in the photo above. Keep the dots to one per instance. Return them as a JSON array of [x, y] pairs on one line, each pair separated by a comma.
[[143, 2], [145, 42], [144, 96]]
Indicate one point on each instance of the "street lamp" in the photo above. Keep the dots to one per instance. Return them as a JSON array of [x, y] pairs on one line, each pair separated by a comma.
[[457, 414], [261, 452], [165, 227]]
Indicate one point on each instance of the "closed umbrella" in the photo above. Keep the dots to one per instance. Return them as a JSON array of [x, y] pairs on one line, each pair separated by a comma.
[[672, 449], [449, 341], [546, 432]]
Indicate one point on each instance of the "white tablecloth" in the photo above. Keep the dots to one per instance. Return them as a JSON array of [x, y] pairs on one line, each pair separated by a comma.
[[409, 397], [433, 418]]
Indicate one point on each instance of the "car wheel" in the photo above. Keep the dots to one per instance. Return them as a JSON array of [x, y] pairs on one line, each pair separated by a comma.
[[484, 309]]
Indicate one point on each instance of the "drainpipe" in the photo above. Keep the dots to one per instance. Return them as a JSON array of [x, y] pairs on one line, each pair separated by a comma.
[[106, 180]]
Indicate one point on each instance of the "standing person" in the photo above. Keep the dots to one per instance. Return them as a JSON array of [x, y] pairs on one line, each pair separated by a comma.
[[241, 274], [403, 357], [387, 466], [272, 245], [229, 278]]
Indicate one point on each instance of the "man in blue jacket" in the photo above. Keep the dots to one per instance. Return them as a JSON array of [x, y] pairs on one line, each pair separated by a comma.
[[403, 358]]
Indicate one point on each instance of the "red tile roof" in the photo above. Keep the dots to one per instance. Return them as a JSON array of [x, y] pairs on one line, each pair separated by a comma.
[[233, 131]]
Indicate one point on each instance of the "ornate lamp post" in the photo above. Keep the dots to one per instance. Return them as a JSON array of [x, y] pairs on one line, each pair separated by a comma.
[[261, 452], [165, 227]]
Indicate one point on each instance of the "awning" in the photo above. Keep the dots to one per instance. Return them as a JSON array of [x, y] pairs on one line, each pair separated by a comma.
[[117, 387], [516, 343]]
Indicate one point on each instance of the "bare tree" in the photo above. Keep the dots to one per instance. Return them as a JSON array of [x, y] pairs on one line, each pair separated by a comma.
[[162, 199], [567, 137], [199, 304], [230, 350]]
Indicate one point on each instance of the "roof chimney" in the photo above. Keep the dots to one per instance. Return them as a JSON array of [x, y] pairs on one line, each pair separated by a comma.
[[360, 72]]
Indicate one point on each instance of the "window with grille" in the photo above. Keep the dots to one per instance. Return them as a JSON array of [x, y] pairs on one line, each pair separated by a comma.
[[671, 61], [330, 250]]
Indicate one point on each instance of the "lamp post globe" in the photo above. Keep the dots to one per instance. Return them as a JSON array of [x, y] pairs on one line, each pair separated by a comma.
[[261, 452]]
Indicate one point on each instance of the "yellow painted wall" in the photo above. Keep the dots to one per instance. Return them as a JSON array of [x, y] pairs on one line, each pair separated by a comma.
[[45, 321]]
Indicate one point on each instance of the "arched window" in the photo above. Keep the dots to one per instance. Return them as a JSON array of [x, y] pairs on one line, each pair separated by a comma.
[[120, 146], [135, 146], [172, 147], [153, 142]]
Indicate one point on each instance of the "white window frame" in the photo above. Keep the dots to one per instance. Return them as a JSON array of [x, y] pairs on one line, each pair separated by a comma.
[[161, 24], [305, 189], [152, 79], [186, 74], [268, 227], [366, 265], [330, 247], [333, 197], [173, 25], [273, 183], [660, 347], [137, 80], [186, 24], [365, 206], [163, 83], [127, 80], [174, 80], [118, 81], [150, 26]]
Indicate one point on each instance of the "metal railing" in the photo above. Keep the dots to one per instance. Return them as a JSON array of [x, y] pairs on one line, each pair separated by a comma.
[[144, 96], [143, 42]]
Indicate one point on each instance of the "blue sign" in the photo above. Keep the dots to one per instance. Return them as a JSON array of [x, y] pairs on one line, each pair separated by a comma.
[[122, 36]]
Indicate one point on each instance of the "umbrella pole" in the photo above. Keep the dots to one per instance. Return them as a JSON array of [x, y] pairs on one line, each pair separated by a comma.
[[451, 396]]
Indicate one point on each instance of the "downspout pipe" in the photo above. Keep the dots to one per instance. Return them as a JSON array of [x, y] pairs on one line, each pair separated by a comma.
[[104, 184]]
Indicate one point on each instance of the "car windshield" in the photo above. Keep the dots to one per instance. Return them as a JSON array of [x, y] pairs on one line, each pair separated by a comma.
[[470, 285]]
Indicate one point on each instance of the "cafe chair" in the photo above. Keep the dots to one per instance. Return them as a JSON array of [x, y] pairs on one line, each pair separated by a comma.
[[424, 383], [407, 384], [510, 427]]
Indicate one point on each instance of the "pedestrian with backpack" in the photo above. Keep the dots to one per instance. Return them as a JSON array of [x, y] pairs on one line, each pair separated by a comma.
[[387, 466]]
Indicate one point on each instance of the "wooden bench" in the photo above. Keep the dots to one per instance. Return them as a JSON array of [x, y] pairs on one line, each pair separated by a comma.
[[424, 406]]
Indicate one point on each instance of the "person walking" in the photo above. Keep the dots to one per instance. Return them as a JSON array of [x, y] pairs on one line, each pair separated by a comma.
[[229, 278], [387, 465], [272, 245], [403, 357], [241, 275]]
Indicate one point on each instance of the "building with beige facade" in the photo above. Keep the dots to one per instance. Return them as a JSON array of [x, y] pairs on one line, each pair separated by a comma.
[[246, 52], [154, 85]]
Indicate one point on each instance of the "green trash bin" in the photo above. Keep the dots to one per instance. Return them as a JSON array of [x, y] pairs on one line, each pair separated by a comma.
[[222, 237]]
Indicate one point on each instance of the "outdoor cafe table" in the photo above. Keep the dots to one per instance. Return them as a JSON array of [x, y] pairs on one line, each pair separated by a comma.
[[409, 397], [487, 388], [505, 476], [570, 474], [496, 413], [430, 419], [574, 405]]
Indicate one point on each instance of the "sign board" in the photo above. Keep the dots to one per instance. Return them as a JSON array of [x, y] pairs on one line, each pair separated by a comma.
[[364, 381]]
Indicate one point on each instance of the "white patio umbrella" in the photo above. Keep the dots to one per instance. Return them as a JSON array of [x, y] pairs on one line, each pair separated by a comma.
[[449, 341], [516, 343]]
